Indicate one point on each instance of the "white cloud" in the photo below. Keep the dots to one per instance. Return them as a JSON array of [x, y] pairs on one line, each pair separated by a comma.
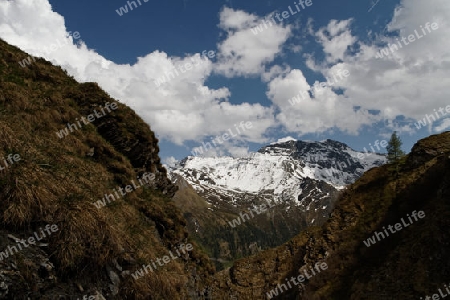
[[239, 151], [406, 84], [180, 110], [274, 72], [335, 39], [414, 78], [244, 53], [284, 140], [170, 161], [233, 147], [445, 124], [336, 27], [231, 19], [313, 113]]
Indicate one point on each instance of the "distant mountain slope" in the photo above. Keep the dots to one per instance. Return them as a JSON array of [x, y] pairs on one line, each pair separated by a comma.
[[408, 264], [300, 179]]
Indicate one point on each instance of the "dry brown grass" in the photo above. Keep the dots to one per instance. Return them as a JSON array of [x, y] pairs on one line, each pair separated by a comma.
[[55, 182]]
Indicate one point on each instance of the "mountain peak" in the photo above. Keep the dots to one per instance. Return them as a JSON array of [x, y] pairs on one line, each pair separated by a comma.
[[279, 167]]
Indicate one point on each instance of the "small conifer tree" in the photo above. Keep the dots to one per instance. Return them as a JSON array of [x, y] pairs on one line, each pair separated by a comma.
[[394, 149]]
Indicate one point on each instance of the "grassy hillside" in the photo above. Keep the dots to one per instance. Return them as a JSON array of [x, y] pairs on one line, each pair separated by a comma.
[[57, 180]]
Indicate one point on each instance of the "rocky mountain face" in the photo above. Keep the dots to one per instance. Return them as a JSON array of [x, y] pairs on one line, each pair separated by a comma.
[[408, 262], [298, 181]]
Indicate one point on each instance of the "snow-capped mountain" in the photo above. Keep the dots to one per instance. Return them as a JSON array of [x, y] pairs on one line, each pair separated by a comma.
[[301, 179], [277, 170]]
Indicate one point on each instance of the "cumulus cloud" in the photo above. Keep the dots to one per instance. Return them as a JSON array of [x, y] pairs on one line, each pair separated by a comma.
[[313, 111], [244, 53], [227, 148], [412, 79], [181, 109], [170, 161], [335, 38], [275, 71], [378, 90], [445, 124], [239, 151]]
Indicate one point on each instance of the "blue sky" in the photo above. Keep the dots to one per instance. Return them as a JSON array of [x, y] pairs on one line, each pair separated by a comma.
[[251, 76]]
